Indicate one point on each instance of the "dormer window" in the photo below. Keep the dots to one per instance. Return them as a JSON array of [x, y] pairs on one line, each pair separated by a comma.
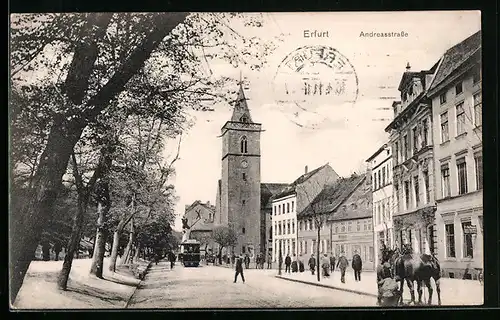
[[244, 119]]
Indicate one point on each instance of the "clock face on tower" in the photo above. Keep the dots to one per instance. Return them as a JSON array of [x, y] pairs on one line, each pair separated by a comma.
[[244, 164]]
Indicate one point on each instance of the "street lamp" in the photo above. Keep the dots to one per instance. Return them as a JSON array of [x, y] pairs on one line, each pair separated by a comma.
[[280, 260]]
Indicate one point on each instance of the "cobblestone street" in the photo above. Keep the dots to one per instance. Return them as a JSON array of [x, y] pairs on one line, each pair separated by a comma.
[[213, 287]]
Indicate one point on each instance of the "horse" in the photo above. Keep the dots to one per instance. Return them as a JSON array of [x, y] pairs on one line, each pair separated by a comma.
[[417, 267]]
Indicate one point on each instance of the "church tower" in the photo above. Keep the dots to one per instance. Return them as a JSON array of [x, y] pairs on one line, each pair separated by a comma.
[[240, 179]]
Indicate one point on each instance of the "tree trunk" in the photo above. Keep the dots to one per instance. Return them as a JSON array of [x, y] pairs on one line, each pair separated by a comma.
[[317, 254], [114, 251], [137, 252], [73, 245], [128, 249], [100, 241]]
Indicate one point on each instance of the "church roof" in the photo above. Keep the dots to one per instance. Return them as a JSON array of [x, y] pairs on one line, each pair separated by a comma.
[[290, 189], [241, 108], [267, 190]]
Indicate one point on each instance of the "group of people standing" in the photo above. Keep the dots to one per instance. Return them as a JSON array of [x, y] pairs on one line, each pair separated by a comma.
[[328, 265]]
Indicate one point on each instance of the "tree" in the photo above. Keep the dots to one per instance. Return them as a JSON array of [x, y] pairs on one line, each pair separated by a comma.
[[224, 236], [90, 61]]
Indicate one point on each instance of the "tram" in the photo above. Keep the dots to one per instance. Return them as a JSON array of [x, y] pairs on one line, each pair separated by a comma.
[[190, 253]]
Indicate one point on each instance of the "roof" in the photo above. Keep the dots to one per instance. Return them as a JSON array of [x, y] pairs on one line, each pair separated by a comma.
[[290, 189], [455, 57], [198, 202], [382, 148], [241, 107], [267, 190], [333, 195]]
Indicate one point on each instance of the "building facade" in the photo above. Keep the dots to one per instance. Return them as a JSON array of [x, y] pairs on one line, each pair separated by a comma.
[[240, 203], [413, 158], [347, 223], [457, 108], [380, 165], [292, 199], [200, 217]]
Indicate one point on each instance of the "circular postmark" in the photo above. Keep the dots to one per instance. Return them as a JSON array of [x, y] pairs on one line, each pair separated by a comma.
[[310, 81]]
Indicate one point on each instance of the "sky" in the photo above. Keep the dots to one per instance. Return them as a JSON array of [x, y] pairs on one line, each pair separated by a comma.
[[349, 132]]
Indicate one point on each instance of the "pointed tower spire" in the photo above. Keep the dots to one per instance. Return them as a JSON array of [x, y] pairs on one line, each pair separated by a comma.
[[241, 113]]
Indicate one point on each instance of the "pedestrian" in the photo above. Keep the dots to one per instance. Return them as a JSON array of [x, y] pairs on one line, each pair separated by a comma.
[[357, 265], [342, 265], [171, 258], [388, 289], [295, 266], [301, 264], [325, 265], [247, 261], [332, 263], [312, 264], [233, 258], [269, 260], [288, 262], [239, 269]]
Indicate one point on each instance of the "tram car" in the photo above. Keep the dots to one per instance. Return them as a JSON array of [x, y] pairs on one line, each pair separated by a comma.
[[190, 253]]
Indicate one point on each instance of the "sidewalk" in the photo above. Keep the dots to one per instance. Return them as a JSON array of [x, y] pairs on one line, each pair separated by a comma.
[[453, 291]]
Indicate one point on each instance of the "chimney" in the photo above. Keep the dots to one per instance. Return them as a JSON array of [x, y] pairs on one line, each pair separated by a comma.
[[305, 169], [408, 67]]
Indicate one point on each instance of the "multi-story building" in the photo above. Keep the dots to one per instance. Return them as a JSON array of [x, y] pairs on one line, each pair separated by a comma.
[[346, 207], [292, 199], [380, 166], [457, 107], [200, 217], [242, 200], [412, 153]]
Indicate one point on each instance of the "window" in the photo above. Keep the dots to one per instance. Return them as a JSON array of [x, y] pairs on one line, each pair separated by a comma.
[[288, 207], [478, 110], [425, 132], [407, 195], [274, 210], [445, 135], [293, 203], [462, 176], [375, 181], [450, 240], [427, 193], [349, 226], [405, 148], [442, 98], [243, 230], [460, 118], [244, 119], [379, 179], [342, 227], [336, 228], [275, 229], [468, 251], [458, 88], [279, 228], [415, 139], [244, 176], [288, 227], [311, 225], [293, 226], [396, 196], [396, 151], [243, 144], [279, 208], [476, 76], [415, 188], [372, 254], [445, 176], [383, 176], [313, 249], [243, 202], [478, 159]]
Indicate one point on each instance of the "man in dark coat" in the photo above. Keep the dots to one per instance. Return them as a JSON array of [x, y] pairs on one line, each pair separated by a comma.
[[312, 264], [171, 258], [295, 267], [332, 263], [342, 265], [288, 262], [269, 261], [239, 269], [357, 265], [301, 264], [247, 261]]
